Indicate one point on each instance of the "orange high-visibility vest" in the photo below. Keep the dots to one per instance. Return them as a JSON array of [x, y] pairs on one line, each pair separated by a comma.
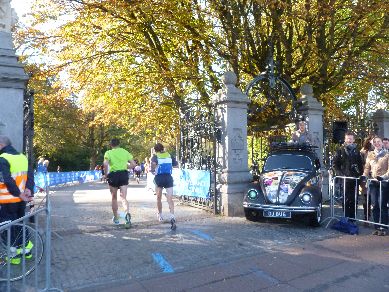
[[18, 169]]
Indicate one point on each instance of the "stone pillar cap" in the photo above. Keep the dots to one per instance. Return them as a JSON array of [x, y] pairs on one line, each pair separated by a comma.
[[230, 78], [381, 113], [306, 89]]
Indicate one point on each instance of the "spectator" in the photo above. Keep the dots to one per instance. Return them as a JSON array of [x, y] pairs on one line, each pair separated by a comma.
[[142, 166], [150, 186], [45, 166], [377, 167], [385, 144], [147, 165], [348, 163], [39, 166], [302, 135], [42, 170], [366, 201], [16, 188], [137, 172]]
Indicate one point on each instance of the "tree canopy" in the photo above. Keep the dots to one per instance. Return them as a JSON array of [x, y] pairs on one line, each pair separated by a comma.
[[132, 65]]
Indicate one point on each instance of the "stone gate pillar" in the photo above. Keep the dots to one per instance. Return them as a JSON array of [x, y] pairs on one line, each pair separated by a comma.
[[12, 81], [314, 110], [381, 119], [232, 155]]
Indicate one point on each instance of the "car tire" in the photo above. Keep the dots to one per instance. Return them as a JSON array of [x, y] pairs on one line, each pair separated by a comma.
[[251, 215], [315, 218]]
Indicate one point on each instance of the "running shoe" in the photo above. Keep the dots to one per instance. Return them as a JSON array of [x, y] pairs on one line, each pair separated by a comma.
[[160, 218], [15, 258], [115, 220], [173, 224], [27, 250], [128, 220]]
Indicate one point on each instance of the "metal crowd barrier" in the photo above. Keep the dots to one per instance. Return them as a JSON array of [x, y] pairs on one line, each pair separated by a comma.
[[31, 274], [338, 200]]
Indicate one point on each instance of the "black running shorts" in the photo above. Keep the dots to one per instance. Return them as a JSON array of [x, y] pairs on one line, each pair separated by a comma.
[[164, 180], [118, 178]]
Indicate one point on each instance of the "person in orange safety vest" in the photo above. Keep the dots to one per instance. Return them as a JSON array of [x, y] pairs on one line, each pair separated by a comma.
[[16, 188]]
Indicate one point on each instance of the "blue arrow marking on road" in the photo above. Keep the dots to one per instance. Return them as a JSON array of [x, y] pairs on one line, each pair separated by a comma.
[[160, 260], [202, 235]]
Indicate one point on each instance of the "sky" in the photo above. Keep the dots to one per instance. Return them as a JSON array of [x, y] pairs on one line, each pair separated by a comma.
[[21, 7]]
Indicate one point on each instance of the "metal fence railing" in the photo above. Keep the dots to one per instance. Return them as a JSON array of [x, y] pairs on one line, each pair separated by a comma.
[[345, 198], [25, 250]]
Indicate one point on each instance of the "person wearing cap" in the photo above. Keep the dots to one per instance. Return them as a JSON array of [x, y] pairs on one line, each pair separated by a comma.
[[16, 188], [116, 161], [162, 165]]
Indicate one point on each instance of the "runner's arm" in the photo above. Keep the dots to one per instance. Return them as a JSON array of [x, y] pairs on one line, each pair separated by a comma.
[[105, 166], [153, 163]]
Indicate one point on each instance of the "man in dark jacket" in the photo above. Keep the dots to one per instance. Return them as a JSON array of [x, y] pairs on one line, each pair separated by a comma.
[[16, 187], [348, 164]]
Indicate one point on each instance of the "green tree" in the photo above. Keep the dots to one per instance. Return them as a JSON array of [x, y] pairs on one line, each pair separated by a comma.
[[138, 62]]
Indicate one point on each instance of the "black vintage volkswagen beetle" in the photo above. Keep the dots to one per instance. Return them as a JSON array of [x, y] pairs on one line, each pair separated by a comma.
[[289, 185]]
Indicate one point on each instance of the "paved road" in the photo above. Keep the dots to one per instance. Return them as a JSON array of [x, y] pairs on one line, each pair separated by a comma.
[[206, 253]]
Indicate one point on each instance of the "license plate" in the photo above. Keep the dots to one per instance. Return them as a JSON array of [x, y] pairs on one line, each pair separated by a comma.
[[277, 214]]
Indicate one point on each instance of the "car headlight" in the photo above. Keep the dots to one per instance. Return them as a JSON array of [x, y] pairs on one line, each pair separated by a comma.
[[306, 197], [252, 194]]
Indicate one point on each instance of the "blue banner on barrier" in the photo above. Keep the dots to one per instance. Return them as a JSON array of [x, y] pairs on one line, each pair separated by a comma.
[[191, 182], [187, 182], [42, 179]]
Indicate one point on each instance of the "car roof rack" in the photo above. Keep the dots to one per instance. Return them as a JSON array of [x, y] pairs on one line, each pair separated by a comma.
[[276, 146]]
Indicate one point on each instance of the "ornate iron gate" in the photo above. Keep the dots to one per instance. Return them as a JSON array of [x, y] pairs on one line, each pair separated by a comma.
[[272, 112], [198, 145]]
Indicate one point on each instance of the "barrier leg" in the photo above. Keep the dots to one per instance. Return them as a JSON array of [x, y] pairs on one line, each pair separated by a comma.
[[332, 203]]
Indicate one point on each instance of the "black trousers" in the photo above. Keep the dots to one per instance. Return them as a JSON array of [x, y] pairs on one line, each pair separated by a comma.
[[366, 202], [379, 200], [12, 212], [350, 189]]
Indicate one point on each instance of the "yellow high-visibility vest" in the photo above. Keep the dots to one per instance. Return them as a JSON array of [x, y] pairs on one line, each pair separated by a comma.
[[18, 169]]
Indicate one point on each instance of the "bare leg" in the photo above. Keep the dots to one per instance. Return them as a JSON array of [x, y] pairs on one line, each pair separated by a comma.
[[123, 197], [169, 198], [114, 192], [158, 192]]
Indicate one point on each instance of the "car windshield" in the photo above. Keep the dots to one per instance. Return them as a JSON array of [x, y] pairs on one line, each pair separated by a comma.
[[287, 161]]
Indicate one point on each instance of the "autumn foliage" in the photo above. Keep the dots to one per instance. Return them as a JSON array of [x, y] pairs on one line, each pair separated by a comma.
[[131, 65]]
